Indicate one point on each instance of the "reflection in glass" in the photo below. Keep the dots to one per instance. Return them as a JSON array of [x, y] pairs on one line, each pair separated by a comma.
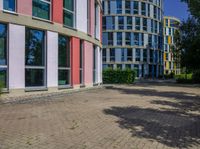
[[41, 9]]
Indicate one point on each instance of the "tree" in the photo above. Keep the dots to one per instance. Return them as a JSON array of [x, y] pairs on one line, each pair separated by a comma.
[[193, 6], [188, 39]]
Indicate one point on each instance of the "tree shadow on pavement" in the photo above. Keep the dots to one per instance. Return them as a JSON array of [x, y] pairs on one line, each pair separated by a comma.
[[167, 127], [176, 126]]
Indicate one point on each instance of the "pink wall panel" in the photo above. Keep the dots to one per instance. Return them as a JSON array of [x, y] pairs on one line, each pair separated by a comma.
[[57, 15], [75, 61], [92, 17], [88, 64], [24, 7]]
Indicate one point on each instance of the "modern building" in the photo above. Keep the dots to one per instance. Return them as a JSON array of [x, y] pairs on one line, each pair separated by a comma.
[[133, 36], [50, 44], [171, 62]]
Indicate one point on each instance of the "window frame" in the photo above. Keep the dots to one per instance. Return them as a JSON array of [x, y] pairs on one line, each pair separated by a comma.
[[74, 16], [65, 68], [50, 13], [27, 88], [7, 59], [15, 11]]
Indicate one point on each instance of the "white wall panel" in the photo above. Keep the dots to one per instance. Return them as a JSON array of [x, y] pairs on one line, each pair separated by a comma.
[[81, 17], [16, 56], [52, 59], [1, 4]]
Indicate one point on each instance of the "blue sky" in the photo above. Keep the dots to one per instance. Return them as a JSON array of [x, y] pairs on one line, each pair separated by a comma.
[[175, 8]]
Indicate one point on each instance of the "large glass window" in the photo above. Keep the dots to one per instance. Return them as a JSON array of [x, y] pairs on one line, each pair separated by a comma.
[[3, 55], [42, 9], [35, 58], [145, 55], [94, 64], [9, 5], [63, 60], [81, 61], [110, 38], [68, 13]]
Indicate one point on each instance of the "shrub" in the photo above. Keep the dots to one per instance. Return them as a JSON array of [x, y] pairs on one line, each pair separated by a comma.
[[196, 76], [118, 76], [1, 87], [184, 78], [169, 76]]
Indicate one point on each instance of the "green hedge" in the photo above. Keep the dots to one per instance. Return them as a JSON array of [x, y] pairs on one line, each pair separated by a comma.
[[118, 76], [189, 78]]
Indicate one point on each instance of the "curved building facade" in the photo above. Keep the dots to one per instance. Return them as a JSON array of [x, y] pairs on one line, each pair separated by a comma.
[[171, 63], [50, 44], [133, 36]]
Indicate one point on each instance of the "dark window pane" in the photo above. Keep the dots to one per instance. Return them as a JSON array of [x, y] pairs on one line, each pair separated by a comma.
[[3, 44], [9, 5], [63, 77], [68, 19], [64, 51], [41, 9], [34, 77], [34, 48], [3, 77], [68, 4]]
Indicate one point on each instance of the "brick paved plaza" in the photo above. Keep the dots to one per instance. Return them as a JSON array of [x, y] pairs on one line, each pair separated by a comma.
[[142, 116]]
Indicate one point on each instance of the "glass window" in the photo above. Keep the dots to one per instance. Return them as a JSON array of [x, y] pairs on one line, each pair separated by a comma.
[[81, 61], [122, 55], [137, 23], [137, 55], [143, 9], [112, 55], [3, 55], [35, 58], [42, 9], [145, 55], [104, 55], [9, 5], [119, 6], [128, 38], [110, 38], [136, 7], [129, 55], [121, 22], [136, 39], [129, 23], [68, 13], [63, 60], [119, 38], [127, 7], [144, 24], [94, 64]]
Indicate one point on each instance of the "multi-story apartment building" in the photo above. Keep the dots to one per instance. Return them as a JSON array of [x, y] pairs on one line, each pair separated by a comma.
[[50, 44], [133, 36], [171, 62]]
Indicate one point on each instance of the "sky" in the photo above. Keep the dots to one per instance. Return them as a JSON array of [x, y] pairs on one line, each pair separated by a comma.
[[176, 8]]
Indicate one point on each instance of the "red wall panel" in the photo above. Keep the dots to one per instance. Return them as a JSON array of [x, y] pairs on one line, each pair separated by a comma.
[[57, 13], [24, 7], [75, 61]]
